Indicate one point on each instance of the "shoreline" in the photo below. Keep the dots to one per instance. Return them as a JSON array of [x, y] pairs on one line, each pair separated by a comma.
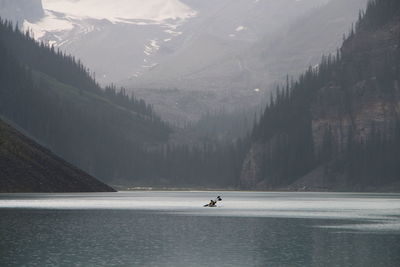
[[277, 190]]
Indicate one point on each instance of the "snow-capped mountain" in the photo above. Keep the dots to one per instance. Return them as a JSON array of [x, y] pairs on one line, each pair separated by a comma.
[[231, 49], [213, 50], [131, 41], [116, 39]]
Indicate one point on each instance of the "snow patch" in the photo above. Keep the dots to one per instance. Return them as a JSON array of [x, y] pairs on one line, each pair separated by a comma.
[[240, 28], [122, 10], [150, 66], [173, 33], [154, 44], [137, 74], [49, 23], [52, 43], [151, 48], [64, 16]]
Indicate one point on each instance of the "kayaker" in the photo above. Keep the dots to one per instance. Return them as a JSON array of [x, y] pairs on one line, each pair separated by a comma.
[[213, 203]]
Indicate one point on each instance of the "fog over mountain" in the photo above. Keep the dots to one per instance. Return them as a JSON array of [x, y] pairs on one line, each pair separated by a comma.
[[20, 10], [213, 53]]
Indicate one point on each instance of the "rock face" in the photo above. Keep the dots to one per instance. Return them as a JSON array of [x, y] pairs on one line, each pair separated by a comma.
[[19, 10], [27, 167], [365, 105], [369, 109]]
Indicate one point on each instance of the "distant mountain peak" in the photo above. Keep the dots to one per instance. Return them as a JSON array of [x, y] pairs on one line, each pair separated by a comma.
[[122, 10]]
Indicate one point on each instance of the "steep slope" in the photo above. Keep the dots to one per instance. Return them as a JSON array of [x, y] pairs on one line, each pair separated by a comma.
[[54, 99], [307, 39], [337, 128], [27, 167]]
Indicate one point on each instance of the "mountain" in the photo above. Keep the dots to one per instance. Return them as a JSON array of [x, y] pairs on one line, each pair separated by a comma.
[[304, 42], [53, 98], [212, 52], [334, 129], [141, 35], [221, 68], [337, 127], [116, 137], [25, 167], [208, 50], [116, 39]]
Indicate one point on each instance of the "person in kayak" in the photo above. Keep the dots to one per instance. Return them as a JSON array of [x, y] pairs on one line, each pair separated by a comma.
[[213, 203]]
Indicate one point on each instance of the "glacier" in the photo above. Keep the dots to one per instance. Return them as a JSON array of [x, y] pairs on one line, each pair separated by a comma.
[[122, 10]]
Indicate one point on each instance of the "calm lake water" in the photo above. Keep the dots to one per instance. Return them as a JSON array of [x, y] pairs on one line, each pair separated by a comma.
[[173, 229]]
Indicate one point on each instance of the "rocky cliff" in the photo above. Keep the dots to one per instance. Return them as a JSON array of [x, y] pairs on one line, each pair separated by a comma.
[[366, 104]]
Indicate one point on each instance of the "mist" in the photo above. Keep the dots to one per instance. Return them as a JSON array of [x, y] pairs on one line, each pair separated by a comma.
[[200, 133]]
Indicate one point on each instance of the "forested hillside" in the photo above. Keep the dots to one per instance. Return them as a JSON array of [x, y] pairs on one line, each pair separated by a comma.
[[113, 136], [27, 167], [338, 126], [54, 99]]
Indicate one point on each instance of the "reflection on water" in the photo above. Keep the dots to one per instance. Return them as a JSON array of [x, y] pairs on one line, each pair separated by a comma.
[[173, 229]]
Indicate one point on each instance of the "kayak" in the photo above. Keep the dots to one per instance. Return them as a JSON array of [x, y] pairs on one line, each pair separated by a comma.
[[213, 203]]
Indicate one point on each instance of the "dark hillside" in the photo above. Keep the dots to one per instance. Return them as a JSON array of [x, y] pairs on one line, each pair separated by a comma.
[[27, 167]]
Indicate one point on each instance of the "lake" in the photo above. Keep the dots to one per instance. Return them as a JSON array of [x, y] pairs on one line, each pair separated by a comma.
[[173, 229]]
